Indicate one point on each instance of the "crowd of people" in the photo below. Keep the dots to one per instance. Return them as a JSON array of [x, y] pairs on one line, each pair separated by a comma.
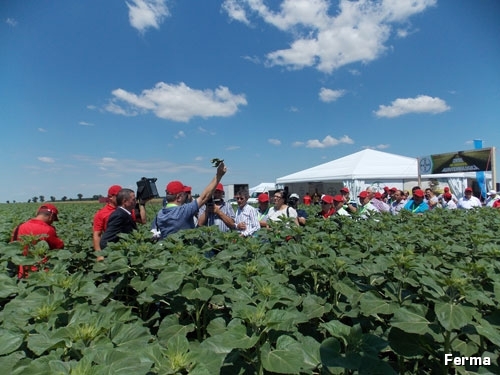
[[181, 211]]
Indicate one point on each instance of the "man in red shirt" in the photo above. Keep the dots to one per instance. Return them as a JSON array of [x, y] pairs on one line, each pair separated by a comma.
[[101, 216], [40, 226]]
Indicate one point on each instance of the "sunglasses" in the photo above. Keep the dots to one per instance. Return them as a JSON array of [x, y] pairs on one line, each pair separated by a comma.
[[240, 199]]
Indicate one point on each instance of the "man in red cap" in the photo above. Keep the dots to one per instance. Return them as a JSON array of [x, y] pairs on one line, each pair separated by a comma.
[[468, 201], [417, 204], [40, 226], [338, 204], [101, 217], [263, 209], [217, 212], [349, 205], [177, 215], [366, 208]]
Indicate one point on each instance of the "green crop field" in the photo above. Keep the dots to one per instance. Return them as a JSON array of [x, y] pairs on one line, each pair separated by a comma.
[[394, 295]]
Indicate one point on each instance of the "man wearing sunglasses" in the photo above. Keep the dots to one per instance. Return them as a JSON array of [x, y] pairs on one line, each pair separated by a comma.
[[247, 217]]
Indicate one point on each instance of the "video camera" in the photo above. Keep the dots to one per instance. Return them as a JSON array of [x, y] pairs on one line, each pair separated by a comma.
[[146, 189]]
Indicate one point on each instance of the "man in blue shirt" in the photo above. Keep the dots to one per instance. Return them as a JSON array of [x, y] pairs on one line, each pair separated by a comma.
[[176, 215], [417, 204]]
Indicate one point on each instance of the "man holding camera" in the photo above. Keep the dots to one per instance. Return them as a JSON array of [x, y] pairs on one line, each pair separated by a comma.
[[217, 212], [177, 215]]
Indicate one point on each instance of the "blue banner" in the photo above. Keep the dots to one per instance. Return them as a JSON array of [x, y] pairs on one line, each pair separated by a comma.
[[481, 180]]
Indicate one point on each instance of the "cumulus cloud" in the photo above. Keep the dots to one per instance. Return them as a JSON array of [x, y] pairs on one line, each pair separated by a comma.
[[275, 142], [329, 95], [177, 102], [144, 14], [328, 141], [420, 104], [42, 130], [84, 123], [324, 38], [46, 159]]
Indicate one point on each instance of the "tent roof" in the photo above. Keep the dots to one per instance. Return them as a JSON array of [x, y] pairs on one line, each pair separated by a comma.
[[263, 186], [365, 164]]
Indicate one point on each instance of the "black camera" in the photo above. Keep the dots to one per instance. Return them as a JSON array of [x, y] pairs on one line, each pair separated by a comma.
[[146, 189]]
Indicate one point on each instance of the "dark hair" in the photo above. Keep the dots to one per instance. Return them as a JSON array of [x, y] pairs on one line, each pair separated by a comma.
[[243, 192], [122, 195], [415, 188], [284, 193]]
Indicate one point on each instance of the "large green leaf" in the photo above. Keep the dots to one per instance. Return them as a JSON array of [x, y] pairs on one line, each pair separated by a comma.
[[10, 341], [285, 359], [192, 293], [411, 319], [452, 316]]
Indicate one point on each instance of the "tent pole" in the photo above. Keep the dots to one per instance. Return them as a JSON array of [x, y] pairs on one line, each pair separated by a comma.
[[418, 170], [493, 169]]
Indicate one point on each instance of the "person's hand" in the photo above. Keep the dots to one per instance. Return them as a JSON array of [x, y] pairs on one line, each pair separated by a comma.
[[221, 170], [241, 226]]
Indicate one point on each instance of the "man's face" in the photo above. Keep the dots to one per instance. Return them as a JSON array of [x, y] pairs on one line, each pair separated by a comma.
[[130, 202], [263, 205], [218, 194], [397, 196], [242, 201]]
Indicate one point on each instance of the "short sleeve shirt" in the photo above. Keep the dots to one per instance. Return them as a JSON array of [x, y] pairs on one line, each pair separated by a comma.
[[172, 219]]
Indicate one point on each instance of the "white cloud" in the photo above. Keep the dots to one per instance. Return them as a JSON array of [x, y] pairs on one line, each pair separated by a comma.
[[232, 148], [147, 13], [84, 123], [329, 95], [298, 144], [46, 159], [420, 104], [356, 31], [328, 141], [235, 11], [378, 147], [275, 142], [178, 102], [180, 134], [42, 130], [11, 22], [293, 109]]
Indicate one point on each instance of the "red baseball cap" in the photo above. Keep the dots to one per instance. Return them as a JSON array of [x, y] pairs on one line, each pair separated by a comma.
[[327, 199], [419, 193], [393, 189], [447, 195], [363, 194], [113, 190], [338, 198], [175, 187], [345, 190], [49, 208], [263, 198], [219, 187], [377, 195], [187, 189], [468, 189], [446, 189]]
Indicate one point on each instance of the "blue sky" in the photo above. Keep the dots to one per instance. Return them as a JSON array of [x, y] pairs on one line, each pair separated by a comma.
[[95, 93]]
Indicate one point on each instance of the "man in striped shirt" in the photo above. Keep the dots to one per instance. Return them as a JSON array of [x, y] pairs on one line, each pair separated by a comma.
[[247, 217]]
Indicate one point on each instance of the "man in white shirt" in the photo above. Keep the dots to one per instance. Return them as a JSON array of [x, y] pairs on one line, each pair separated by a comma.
[[468, 201]]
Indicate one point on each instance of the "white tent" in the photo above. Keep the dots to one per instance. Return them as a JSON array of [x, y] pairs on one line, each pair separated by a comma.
[[263, 187], [366, 168]]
